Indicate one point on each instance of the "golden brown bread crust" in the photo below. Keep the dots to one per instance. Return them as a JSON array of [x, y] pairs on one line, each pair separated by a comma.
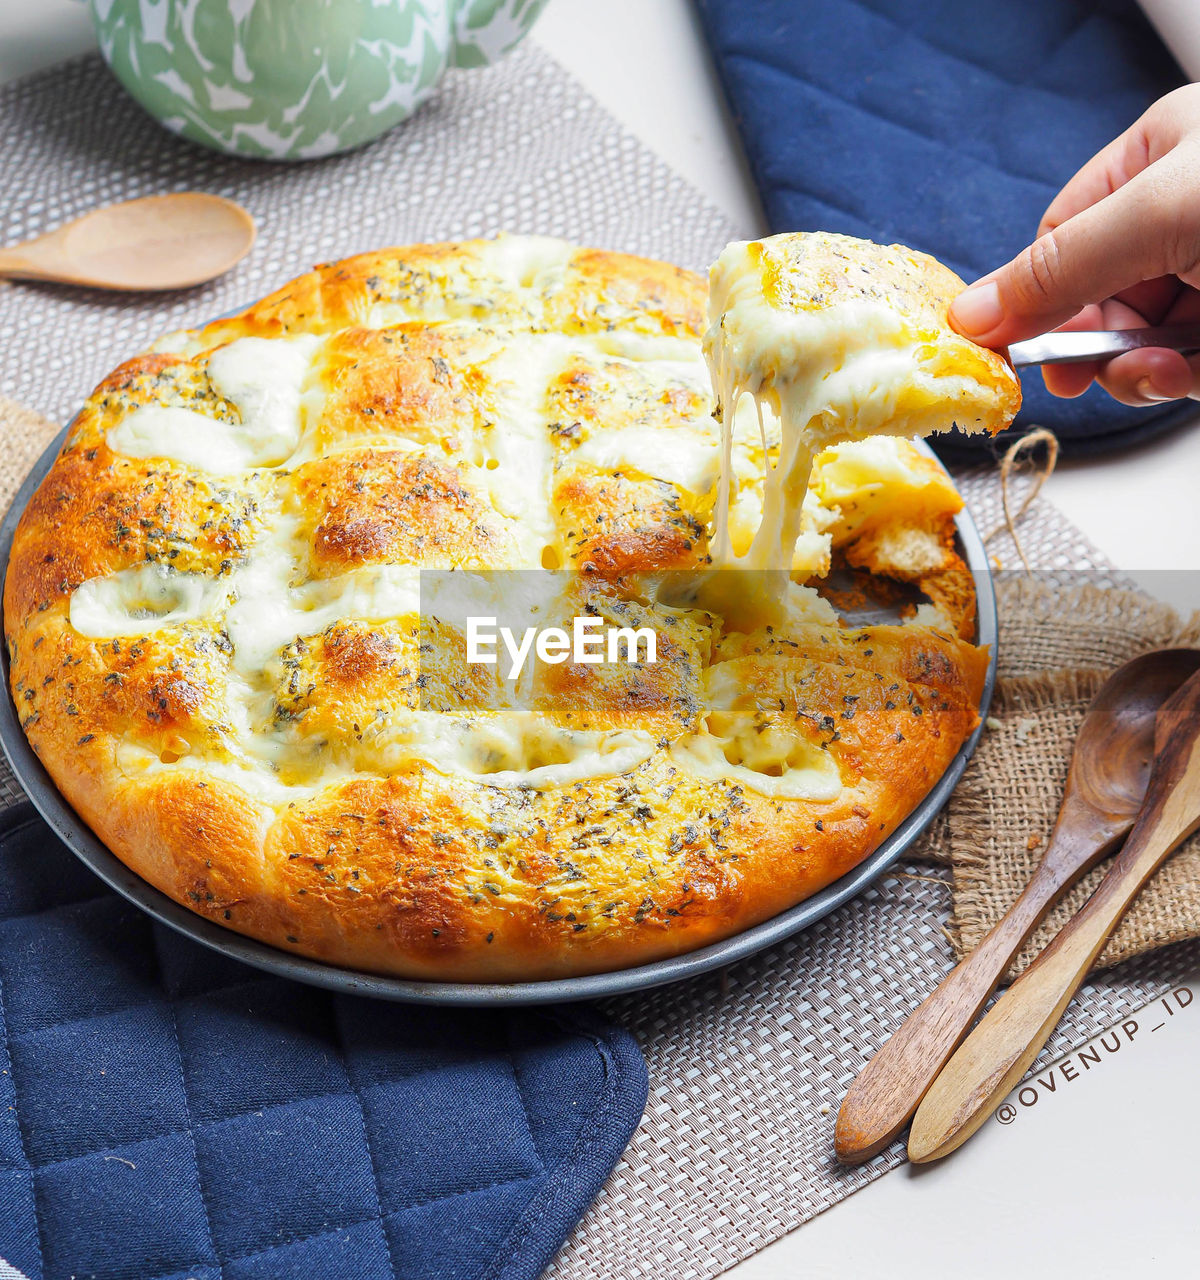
[[380, 506], [276, 795]]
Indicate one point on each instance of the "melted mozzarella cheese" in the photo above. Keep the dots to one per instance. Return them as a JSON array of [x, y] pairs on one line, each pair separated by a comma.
[[517, 474], [530, 262], [500, 269], [183, 435], [142, 599], [815, 779], [268, 613], [512, 749], [678, 456], [263, 378], [883, 480], [512, 752], [686, 454], [134, 760], [742, 744], [260, 623], [515, 599], [642, 346], [830, 374]]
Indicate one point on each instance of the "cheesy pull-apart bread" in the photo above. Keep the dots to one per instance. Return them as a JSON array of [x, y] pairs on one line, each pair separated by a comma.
[[841, 340], [213, 606]]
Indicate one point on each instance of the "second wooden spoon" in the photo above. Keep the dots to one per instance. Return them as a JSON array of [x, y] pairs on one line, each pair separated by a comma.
[[1106, 783]]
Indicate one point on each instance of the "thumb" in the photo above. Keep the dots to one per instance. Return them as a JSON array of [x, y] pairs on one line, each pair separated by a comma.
[[1137, 233]]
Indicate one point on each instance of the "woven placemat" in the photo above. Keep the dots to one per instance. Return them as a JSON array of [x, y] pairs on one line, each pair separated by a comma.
[[748, 1067]]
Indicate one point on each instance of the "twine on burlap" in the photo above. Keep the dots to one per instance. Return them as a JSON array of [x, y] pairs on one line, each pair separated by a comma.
[[1010, 464]]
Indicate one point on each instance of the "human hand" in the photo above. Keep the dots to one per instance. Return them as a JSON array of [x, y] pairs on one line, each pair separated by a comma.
[[1118, 248]]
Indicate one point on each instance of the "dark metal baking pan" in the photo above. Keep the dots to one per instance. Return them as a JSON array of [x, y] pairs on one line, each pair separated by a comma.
[[83, 842]]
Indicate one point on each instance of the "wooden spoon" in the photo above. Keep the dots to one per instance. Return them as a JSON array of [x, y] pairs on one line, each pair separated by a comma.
[[1109, 771], [159, 242], [1004, 1045]]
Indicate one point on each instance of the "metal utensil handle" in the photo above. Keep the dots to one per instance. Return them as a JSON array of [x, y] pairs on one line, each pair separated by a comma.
[[1087, 344]]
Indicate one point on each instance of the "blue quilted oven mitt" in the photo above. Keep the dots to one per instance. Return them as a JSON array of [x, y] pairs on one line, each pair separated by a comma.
[[168, 1113], [948, 125]]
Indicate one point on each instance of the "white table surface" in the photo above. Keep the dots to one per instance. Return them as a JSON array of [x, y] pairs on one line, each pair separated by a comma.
[[1098, 1178]]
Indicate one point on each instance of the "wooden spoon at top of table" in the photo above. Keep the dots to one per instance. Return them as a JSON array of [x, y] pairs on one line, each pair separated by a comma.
[[1107, 780], [996, 1055], [158, 242]]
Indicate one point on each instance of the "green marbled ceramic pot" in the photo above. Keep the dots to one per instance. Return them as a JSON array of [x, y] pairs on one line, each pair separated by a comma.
[[296, 79]]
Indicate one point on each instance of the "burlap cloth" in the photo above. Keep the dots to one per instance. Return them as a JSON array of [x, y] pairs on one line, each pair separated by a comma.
[[747, 1067], [1005, 806]]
